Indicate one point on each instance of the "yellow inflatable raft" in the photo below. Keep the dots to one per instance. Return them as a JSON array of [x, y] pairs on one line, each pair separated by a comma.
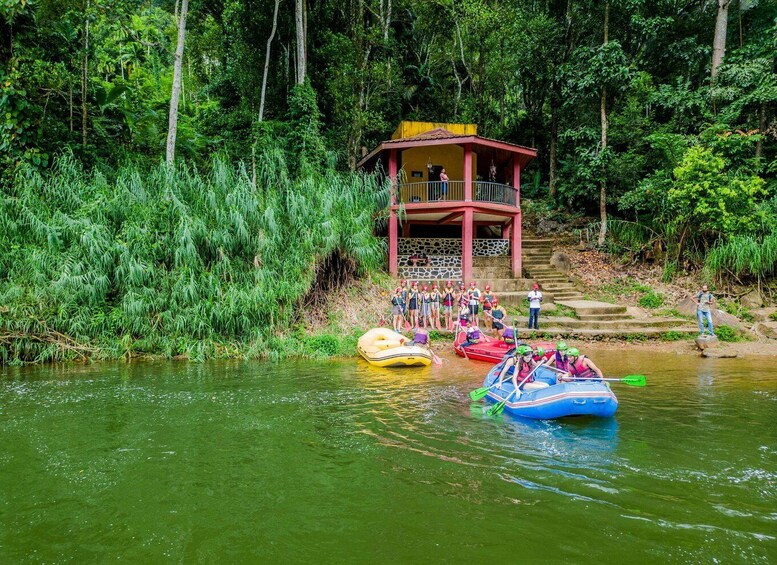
[[386, 348]]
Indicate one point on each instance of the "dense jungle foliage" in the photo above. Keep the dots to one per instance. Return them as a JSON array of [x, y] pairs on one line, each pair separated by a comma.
[[656, 115]]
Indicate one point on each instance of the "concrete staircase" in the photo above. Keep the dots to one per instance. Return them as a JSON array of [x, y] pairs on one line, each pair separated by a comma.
[[536, 263], [601, 320]]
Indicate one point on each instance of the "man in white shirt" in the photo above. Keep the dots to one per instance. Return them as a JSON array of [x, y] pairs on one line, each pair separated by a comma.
[[535, 300]]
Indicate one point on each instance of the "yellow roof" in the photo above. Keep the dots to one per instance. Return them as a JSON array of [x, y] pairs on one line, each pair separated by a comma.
[[407, 129]]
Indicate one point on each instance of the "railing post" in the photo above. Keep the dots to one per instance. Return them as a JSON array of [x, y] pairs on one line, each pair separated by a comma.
[[468, 172], [515, 246], [466, 244], [517, 180], [393, 231]]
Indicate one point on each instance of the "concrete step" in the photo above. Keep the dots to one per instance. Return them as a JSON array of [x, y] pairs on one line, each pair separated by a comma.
[[594, 333], [627, 324], [499, 286], [491, 273], [536, 241], [603, 317], [593, 307], [490, 261], [551, 280]]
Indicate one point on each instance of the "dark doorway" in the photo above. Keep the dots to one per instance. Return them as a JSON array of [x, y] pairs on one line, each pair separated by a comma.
[[431, 230], [434, 173]]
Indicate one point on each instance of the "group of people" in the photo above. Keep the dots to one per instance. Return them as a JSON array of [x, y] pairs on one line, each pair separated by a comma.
[[568, 362], [430, 307]]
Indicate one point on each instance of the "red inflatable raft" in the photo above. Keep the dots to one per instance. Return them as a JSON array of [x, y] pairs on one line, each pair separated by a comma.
[[491, 350]]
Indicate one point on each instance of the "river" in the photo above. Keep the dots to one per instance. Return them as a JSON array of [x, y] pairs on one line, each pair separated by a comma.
[[338, 462]]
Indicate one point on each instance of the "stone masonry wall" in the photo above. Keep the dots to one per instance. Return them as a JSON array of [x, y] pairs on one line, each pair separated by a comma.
[[452, 246], [431, 273]]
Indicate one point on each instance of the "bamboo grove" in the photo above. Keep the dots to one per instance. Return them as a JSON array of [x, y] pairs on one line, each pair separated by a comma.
[[172, 260]]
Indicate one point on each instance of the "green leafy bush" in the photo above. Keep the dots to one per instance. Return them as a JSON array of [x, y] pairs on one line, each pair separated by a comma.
[[651, 299], [729, 334], [673, 336]]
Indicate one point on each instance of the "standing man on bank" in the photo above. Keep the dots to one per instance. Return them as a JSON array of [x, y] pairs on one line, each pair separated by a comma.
[[535, 300], [704, 300]]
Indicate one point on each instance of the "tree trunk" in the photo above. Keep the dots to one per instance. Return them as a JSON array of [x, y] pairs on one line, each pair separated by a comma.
[[719, 43], [172, 126], [387, 22], [267, 58], [299, 17], [603, 116], [84, 76], [553, 173]]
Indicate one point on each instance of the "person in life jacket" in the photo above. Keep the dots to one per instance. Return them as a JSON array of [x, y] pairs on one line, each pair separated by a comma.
[[487, 300], [497, 314], [474, 302], [581, 367], [473, 335], [413, 299], [463, 306], [435, 294], [425, 299], [397, 304], [519, 366], [560, 358], [420, 335], [448, 300], [539, 354]]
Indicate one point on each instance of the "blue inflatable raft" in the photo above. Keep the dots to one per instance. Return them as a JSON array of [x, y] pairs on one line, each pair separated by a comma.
[[546, 399]]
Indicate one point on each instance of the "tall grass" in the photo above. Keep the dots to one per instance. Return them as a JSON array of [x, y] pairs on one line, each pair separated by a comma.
[[171, 260], [744, 256]]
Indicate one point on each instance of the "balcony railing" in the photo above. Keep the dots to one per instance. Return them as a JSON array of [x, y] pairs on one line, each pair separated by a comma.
[[495, 192], [431, 191], [434, 191]]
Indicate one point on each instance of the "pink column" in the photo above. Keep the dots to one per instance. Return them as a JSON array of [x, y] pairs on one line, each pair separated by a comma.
[[466, 244], [517, 180], [506, 231], [515, 246], [468, 172], [393, 234]]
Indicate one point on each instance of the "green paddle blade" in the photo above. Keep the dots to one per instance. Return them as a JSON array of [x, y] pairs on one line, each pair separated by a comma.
[[479, 393], [634, 380], [497, 408]]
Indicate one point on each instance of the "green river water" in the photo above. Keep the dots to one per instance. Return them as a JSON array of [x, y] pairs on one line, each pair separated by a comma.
[[338, 462]]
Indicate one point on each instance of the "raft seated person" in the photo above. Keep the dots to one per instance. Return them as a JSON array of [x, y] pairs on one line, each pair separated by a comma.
[[473, 334], [580, 367], [508, 335], [560, 359], [420, 335], [519, 366]]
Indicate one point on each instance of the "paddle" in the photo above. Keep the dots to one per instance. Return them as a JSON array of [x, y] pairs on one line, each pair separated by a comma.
[[631, 380], [497, 408], [481, 392]]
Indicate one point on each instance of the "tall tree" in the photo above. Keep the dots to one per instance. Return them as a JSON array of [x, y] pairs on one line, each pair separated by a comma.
[[299, 17], [603, 119], [84, 73], [267, 58], [719, 42], [172, 126]]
